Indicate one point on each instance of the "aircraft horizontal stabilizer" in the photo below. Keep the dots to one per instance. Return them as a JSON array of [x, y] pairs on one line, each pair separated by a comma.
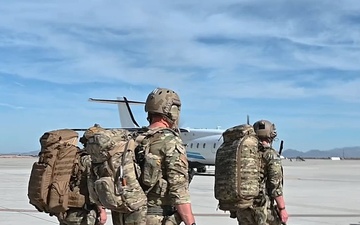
[[130, 129], [127, 118], [115, 101]]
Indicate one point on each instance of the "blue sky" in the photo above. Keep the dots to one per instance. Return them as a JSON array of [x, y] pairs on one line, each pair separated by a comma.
[[295, 63]]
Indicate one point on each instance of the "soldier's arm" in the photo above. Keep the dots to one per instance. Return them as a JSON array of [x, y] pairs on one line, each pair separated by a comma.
[[274, 174], [275, 181], [87, 168], [102, 215], [177, 176], [185, 211], [281, 208], [90, 181]]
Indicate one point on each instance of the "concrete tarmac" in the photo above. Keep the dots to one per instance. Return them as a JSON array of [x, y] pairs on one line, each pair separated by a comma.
[[316, 192]]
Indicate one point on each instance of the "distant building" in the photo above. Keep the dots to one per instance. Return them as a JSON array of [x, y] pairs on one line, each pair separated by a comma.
[[335, 158]]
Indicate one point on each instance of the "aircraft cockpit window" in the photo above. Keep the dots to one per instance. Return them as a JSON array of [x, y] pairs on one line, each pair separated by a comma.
[[204, 145]]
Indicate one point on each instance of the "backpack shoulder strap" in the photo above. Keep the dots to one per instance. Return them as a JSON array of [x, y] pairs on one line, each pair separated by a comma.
[[151, 132]]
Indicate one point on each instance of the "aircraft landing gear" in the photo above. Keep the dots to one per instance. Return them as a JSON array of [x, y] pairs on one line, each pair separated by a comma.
[[191, 173], [201, 169]]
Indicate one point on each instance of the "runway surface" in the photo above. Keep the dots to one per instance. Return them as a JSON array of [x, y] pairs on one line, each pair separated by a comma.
[[316, 192]]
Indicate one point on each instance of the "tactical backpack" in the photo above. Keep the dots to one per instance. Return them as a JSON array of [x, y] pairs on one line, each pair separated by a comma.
[[115, 170], [50, 178], [237, 168], [117, 160]]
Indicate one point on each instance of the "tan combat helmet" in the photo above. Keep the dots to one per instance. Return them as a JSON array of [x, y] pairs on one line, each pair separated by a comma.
[[165, 102], [265, 129]]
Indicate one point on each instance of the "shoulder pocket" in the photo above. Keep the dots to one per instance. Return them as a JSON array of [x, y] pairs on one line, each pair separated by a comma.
[[182, 150], [152, 169]]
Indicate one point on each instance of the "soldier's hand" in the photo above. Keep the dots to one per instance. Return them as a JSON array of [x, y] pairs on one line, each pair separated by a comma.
[[284, 216], [102, 216]]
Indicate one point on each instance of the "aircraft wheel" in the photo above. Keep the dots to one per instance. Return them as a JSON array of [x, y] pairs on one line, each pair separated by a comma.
[[201, 169]]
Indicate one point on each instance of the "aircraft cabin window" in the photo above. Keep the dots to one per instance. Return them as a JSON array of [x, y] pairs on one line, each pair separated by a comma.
[[204, 145], [197, 145], [191, 145], [214, 145]]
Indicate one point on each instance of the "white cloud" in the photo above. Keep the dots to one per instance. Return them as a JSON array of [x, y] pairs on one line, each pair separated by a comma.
[[212, 52], [10, 106]]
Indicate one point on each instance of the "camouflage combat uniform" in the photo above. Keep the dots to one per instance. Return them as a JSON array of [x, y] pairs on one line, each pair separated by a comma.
[[135, 218], [88, 214], [167, 167], [271, 176]]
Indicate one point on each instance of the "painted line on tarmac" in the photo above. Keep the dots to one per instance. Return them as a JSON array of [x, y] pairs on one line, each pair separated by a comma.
[[291, 215], [210, 214], [27, 212]]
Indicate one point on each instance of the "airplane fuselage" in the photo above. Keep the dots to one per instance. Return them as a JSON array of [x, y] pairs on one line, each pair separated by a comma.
[[201, 145]]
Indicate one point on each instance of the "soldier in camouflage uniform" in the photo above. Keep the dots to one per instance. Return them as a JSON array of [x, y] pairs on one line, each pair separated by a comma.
[[166, 165], [90, 214], [265, 211]]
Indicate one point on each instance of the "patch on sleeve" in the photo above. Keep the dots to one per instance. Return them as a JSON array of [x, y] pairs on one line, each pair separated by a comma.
[[182, 152], [183, 158]]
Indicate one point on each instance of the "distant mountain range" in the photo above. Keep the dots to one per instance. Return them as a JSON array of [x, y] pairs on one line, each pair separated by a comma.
[[346, 152], [32, 153]]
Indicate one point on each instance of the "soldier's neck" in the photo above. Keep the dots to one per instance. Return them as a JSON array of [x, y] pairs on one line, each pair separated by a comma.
[[159, 123]]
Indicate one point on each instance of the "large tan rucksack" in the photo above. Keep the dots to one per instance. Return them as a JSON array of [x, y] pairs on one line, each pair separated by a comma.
[[237, 168], [50, 178]]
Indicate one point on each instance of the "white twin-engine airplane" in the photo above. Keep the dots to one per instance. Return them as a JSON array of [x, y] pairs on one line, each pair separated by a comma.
[[201, 144]]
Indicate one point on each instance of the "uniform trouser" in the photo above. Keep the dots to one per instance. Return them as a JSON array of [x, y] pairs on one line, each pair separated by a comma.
[[78, 216], [163, 220], [134, 218], [252, 216], [162, 215], [272, 216], [141, 217], [265, 215]]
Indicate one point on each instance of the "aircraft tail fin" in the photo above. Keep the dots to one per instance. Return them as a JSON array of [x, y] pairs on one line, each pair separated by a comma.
[[127, 118]]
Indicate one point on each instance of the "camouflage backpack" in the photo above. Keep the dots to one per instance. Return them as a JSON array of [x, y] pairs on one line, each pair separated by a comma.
[[114, 170], [237, 168], [49, 187], [116, 156]]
